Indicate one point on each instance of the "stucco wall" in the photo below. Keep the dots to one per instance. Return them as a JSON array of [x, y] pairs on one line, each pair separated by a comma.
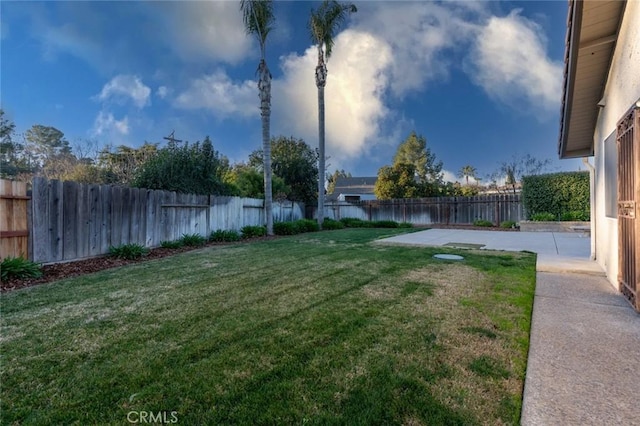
[[621, 92]]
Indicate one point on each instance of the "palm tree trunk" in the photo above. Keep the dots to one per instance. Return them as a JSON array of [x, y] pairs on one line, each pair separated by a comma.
[[321, 152], [264, 86]]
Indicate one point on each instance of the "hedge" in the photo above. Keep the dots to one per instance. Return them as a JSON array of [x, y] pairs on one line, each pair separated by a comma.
[[561, 194]]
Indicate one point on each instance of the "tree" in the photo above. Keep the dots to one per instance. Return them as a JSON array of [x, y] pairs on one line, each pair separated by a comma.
[[466, 172], [397, 181], [414, 151], [323, 24], [191, 169], [120, 165], [296, 163], [332, 179], [258, 19], [248, 181], [12, 159], [517, 167]]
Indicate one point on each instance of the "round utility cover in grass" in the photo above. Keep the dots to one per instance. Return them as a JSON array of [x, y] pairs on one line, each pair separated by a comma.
[[448, 256]]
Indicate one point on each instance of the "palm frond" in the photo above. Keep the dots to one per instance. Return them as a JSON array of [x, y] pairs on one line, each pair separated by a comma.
[[258, 18], [325, 22]]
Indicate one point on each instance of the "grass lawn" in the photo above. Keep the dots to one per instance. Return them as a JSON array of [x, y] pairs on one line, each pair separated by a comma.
[[319, 328]]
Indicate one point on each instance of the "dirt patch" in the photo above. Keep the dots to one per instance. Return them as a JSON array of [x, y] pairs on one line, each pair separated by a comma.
[[59, 271]]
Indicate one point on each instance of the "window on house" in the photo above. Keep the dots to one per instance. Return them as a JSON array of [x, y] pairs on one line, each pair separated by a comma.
[[611, 176]]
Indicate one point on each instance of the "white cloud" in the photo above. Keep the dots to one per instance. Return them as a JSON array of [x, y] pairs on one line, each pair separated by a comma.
[[198, 30], [123, 87], [509, 62], [106, 124], [162, 92], [419, 33], [217, 93], [354, 106]]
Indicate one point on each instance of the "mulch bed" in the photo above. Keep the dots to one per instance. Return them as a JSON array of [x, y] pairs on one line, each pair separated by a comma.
[[59, 271]]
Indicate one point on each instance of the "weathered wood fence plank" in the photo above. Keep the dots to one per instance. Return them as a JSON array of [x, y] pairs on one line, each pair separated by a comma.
[[14, 230]]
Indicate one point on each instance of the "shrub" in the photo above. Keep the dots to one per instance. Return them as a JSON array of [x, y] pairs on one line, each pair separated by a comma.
[[225, 236], [384, 224], [128, 251], [253, 231], [483, 223], [193, 240], [307, 225], [171, 244], [508, 224], [405, 225], [353, 222], [330, 224], [556, 193], [543, 217], [286, 228], [575, 216], [19, 267]]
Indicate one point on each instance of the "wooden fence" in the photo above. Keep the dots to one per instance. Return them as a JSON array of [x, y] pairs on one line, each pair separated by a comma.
[[14, 230], [436, 210], [74, 221]]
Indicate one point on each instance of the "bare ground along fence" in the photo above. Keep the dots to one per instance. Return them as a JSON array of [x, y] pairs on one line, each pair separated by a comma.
[[437, 210], [74, 221]]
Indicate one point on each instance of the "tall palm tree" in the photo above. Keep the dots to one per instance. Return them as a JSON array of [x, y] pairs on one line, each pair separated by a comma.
[[467, 172], [323, 24], [259, 20]]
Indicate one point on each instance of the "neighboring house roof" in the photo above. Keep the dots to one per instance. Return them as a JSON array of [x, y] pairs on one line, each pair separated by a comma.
[[592, 31], [353, 186]]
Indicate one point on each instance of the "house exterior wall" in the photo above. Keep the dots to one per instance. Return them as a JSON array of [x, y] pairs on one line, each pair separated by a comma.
[[621, 92]]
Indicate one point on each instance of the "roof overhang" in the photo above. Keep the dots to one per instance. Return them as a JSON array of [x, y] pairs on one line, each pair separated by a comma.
[[592, 31]]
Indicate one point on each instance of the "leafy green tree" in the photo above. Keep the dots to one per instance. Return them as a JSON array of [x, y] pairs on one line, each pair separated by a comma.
[[120, 165], [188, 168], [323, 24], [248, 182], [13, 162], [467, 172], [296, 163], [398, 181], [333, 178], [46, 145], [259, 20], [414, 151]]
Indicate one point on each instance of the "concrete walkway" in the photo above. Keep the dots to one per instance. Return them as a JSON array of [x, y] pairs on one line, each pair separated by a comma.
[[584, 354]]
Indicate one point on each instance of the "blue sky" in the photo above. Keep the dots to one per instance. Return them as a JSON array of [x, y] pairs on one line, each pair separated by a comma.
[[480, 80]]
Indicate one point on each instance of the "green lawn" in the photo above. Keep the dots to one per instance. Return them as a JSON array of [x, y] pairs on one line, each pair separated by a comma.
[[319, 328]]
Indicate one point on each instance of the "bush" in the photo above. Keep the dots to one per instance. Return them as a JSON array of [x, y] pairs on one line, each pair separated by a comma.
[[543, 217], [285, 228], [384, 224], [508, 224], [193, 240], [482, 222], [128, 251], [171, 244], [19, 267], [225, 236], [557, 194], [405, 225], [307, 225], [330, 224], [253, 231], [353, 222], [575, 216]]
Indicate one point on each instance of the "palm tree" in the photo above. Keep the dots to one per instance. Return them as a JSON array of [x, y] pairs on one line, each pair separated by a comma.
[[259, 20], [467, 172], [323, 24]]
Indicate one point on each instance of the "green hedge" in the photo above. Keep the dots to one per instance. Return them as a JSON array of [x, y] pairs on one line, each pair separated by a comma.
[[560, 194]]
